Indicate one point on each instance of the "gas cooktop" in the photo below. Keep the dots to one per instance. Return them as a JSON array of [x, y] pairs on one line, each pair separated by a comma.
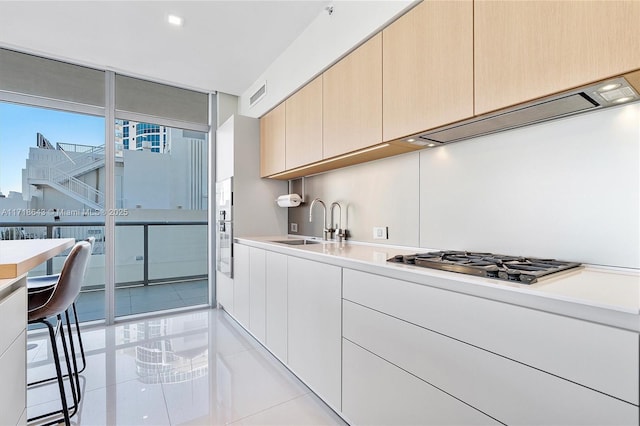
[[525, 270]]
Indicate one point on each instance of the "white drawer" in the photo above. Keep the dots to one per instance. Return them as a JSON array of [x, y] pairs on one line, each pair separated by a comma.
[[13, 317], [506, 390], [13, 393], [375, 392], [594, 355]]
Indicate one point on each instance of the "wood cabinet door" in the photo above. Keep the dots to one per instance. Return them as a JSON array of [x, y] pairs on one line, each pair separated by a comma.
[[529, 49], [352, 100], [272, 141], [315, 326], [303, 125], [427, 68]]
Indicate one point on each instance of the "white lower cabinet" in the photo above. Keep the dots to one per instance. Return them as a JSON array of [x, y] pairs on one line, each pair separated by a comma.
[[276, 304], [596, 356], [13, 352], [257, 293], [241, 284], [315, 326], [389, 352], [428, 333], [294, 307], [376, 392], [224, 291], [12, 371], [504, 389]]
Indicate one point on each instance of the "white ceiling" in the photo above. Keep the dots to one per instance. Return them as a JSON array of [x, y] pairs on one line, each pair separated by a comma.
[[223, 45]]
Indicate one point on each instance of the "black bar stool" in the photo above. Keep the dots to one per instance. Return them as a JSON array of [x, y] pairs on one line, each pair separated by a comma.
[[46, 304], [44, 284]]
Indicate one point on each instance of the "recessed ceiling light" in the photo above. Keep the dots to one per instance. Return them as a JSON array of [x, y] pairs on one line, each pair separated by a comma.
[[410, 140], [431, 145], [174, 20]]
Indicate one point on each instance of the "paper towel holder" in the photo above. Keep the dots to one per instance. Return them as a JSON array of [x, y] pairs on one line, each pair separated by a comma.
[[302, 192]]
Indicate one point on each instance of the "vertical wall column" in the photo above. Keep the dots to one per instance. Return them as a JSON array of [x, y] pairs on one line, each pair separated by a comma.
[[110, 197], [211, 199]]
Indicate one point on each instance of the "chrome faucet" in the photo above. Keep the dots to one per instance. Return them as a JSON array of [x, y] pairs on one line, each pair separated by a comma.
[[325, 231], [338, 231]]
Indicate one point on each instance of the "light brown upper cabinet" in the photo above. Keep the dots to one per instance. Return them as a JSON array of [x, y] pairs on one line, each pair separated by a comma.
[[352, 100], [304, 125], [427, 68], [272, 141], [529, 49]]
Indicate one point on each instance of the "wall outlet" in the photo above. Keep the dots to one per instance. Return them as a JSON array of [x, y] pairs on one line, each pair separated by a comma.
[[293, 227], [380, 233]]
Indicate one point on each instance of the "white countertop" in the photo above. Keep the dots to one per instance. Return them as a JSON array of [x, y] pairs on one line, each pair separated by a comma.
[[606, 295]]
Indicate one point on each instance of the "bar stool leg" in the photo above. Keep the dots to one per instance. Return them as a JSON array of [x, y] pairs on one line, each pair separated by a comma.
[[72, 380], [84, 362], [56, 358], [75, 316], [76, 375]]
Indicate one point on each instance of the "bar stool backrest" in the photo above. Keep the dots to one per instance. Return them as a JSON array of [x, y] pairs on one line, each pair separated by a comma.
[[92, 241], [69, 283]]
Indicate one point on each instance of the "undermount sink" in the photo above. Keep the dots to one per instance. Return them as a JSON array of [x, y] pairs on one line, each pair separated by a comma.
[[296, 242]]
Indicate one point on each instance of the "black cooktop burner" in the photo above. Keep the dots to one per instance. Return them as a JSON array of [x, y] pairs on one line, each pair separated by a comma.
[[510, 268]]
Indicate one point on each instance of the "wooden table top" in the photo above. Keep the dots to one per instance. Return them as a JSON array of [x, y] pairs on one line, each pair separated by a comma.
[[17, 257]]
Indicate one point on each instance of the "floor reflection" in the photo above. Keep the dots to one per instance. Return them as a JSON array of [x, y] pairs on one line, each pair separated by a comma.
[[191, 368]]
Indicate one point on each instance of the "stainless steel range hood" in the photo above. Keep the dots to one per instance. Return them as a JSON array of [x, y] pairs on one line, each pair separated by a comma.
[[604, 94]]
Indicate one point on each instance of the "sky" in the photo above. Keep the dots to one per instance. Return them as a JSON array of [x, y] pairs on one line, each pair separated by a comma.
[[19, 126]]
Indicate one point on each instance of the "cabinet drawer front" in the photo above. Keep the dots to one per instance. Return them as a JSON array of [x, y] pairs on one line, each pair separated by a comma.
[[376, 392], [13, 317], [504, 389], [13, 393], [594, 355]]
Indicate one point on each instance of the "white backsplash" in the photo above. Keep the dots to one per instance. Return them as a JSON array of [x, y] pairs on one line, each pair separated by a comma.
[[381, 193], [567, 189]]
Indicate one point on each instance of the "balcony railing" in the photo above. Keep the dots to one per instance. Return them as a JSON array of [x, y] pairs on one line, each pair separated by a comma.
[[146, 252]]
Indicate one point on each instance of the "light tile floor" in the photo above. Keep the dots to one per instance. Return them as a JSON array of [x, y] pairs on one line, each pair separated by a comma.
[[197, 368]]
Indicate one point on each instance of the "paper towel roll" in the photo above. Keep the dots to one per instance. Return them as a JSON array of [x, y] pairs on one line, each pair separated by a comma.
[[289, 200]]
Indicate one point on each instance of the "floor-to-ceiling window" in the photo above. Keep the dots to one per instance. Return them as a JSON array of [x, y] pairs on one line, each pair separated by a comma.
[[161, 197], [86, 152], [52, 176], [161, 222]]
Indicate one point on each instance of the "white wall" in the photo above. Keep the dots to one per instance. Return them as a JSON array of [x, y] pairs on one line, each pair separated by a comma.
[[567, 189], [381, 193], [324, 42]]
